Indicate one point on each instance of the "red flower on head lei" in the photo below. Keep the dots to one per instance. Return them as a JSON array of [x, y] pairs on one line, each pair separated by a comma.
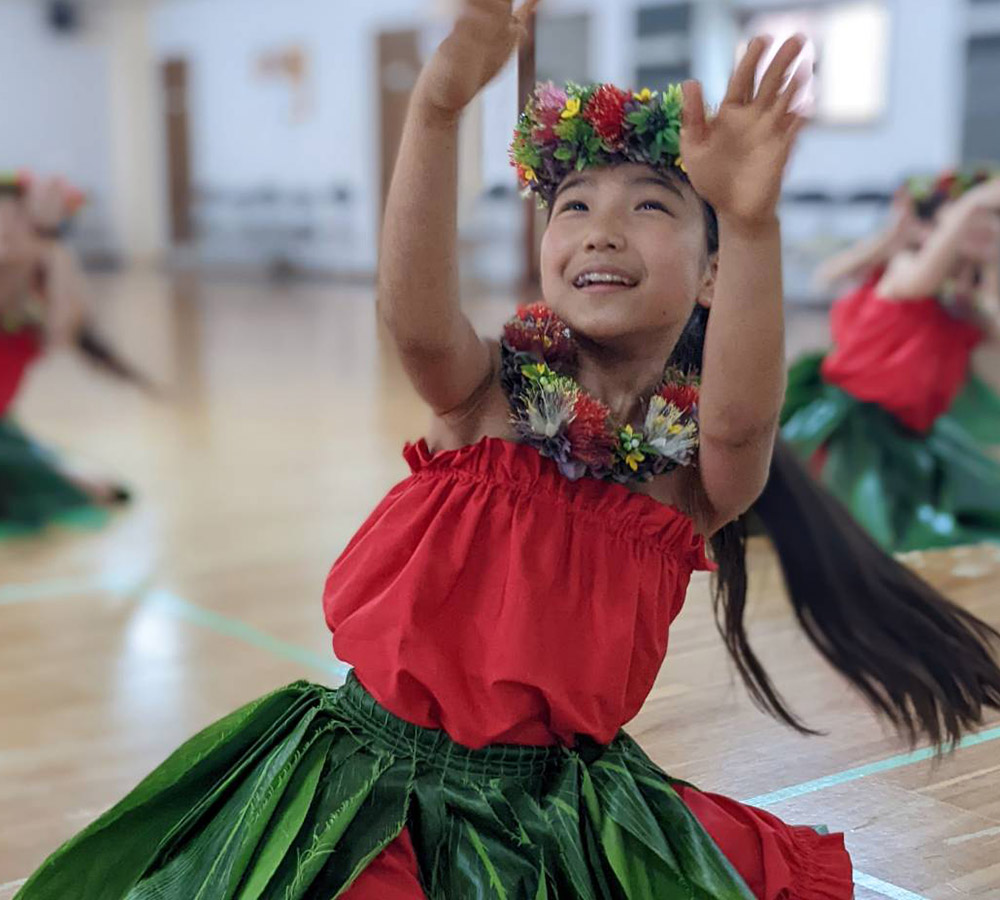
[[15, 183], [929, 193], [605, 110], [553, 414], [568, 129]]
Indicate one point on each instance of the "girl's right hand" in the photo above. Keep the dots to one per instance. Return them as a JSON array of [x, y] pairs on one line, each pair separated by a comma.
[[482, 40]]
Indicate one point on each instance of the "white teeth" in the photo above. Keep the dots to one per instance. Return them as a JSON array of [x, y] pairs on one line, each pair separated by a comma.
[[588, 278]]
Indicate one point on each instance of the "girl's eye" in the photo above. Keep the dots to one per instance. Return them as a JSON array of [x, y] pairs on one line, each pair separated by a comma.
[[654, 204], [573, 206]]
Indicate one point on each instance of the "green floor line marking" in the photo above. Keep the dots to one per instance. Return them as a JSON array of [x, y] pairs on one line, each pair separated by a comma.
[[222, 624], [59, 588], [885, 888], [882, 765], [206, 618]]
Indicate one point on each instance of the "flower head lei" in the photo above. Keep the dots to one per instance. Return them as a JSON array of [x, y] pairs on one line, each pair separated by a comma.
[[18, 185], [929, 193], [563, 130], [552, 413]]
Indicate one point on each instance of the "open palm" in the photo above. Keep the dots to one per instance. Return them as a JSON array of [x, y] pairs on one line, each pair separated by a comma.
[[482, 40], [736, 158]]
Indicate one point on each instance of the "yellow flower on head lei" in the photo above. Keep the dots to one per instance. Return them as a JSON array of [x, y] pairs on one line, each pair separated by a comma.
[[569, 129]]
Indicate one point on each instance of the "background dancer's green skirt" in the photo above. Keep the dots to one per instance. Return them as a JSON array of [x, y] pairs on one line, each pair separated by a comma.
[[977, 410], [295, 794], [909, 490], [33, 492]]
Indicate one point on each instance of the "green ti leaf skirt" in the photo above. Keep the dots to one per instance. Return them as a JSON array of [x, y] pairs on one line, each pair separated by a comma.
[[293, 795], [33, 492], [909, 491]]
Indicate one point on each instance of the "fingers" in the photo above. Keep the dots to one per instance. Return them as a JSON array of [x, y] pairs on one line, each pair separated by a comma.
[[693, 124], [777, 72], [741, 84], [793, 124], [800, 78]]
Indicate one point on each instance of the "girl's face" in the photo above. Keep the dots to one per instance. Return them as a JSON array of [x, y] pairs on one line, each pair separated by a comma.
[[624, 255]]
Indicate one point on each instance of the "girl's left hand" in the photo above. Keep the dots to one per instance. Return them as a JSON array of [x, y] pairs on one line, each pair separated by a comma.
[[736, 158]]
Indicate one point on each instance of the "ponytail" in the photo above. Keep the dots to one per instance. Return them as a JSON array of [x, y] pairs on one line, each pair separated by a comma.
[[919, 660], [101, 354]]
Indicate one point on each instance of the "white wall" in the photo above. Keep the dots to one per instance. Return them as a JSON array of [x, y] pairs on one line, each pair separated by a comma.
[[242, 134], [89, 105], [138, 198], [56, 104]]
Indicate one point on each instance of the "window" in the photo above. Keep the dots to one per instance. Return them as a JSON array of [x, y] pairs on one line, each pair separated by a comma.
[[563, 44], [848, 48], [663, 45], [982, 100]]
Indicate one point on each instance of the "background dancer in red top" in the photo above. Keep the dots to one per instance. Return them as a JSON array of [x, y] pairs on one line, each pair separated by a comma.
[[45, 305], [891, 417], [507, 606]]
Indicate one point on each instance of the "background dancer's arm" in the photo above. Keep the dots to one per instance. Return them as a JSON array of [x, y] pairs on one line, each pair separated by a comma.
[[922, 274], [861, 259]]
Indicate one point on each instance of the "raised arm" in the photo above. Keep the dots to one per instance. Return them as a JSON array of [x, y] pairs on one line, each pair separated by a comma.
[[922, 274], [418, 291], [736, 160], [862, 258]]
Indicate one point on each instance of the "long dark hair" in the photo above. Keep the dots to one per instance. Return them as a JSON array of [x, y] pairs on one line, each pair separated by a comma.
[[100, 353], [97, 350], [917, 658]]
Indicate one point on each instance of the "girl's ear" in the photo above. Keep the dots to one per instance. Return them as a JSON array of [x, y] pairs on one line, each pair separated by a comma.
[[707, 290]]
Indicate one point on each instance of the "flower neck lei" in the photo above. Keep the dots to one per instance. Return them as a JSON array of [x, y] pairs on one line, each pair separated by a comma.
[[553, 414]]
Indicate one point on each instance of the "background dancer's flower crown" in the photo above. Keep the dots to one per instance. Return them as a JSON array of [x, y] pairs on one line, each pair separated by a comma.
[[929, 193], [14, 184], [569, 129], [72, 199]]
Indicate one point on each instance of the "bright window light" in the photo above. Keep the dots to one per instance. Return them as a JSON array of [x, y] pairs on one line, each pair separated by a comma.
[[848, 49]]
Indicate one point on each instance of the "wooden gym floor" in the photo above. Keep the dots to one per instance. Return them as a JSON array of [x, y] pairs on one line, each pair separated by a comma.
[[282, 429]]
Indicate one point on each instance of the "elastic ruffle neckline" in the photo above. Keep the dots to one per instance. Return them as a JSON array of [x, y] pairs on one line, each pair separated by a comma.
[[606, 505]]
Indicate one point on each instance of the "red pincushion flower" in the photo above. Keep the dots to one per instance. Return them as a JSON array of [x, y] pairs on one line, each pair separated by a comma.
[[946, 182], [539, 331], [683, 396], [545, 132], [606, 112], [588, 433]]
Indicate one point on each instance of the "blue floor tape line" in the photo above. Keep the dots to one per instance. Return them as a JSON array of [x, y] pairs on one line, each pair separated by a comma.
[[874, 768], [223, 624], [61, 588], [885, 888]]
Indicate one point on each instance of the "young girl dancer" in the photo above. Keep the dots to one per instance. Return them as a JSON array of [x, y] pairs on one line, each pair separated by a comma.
[[506, 607], [917, 204], [975, 295], [43, 303], [883, 416]]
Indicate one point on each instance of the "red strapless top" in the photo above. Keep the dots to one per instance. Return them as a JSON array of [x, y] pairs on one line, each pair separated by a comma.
[[17, 351], [910, 357], [489, 596]]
